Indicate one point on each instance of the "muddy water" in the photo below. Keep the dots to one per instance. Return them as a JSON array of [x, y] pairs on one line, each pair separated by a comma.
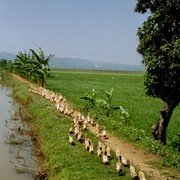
[[13, 156]]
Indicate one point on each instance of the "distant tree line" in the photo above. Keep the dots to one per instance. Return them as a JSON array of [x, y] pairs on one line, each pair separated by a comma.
[[32, 65], [5, 64]]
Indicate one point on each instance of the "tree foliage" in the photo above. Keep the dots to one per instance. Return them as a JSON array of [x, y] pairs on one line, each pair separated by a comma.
[[33, 65], [6, 64], [159, 46]]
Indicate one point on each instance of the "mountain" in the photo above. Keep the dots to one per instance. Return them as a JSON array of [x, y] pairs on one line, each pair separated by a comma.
[[77, 63], [6, 55]]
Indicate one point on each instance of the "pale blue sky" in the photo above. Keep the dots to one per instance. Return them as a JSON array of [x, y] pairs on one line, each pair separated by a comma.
[[99, 30]]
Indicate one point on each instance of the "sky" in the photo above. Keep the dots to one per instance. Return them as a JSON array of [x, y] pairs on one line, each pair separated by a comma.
[[98, 30]]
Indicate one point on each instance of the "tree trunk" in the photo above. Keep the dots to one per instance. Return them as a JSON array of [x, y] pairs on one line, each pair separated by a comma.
[[159, 129]]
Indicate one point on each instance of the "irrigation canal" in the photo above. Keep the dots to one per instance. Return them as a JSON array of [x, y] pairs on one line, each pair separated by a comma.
[[15, 150]]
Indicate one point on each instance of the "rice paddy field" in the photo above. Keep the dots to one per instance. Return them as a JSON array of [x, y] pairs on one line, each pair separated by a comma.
[[64, 161], [60, 159], [129, 92]]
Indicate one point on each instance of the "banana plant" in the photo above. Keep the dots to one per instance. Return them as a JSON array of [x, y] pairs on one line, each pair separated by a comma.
[[33, 65], [22, 64], [41, 62], [106, 103], [90, 96], [125, 114]]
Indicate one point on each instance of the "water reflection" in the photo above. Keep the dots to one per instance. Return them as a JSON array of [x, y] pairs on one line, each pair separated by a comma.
[[15, 144]]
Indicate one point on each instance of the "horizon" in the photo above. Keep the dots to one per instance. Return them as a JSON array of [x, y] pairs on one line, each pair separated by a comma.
[[140, 65]]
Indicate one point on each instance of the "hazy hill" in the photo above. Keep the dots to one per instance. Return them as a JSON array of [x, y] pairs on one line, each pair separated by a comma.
[[7, 55], [77, 63]]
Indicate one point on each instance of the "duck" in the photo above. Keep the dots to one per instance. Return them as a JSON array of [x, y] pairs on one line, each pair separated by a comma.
[[57, 106], [79, 136], [97, 128], [76, 130], [103, 148], [92, 122], [88, 118], [108, 151], [71, 141], [99, 152], [71, 131], [82, 118], [133, 171], [100, 144], [91, 148], [84, 125], [141, 174], [118, 154], [66, 111], [61, 109], [118, 166], [87, 143], [105, 158], [104, 134], [124, 161]]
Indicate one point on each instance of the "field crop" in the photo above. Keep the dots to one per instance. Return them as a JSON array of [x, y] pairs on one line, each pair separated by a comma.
[[129, 93], [62, 160]]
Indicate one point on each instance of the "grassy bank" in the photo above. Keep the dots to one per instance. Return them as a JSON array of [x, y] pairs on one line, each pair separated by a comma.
[[129, 93], [62, 160]]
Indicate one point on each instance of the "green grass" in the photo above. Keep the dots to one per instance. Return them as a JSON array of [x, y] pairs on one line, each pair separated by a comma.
[[63, 161], [128, 92]]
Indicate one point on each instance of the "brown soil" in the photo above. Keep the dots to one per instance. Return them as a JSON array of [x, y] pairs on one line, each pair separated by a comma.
[[136, 155], [140, 158]]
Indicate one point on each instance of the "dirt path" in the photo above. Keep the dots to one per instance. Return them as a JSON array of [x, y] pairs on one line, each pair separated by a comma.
[[135, 155], [24, 80], [138, 156]]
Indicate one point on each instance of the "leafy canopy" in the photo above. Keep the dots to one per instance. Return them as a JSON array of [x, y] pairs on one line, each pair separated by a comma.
[[159, 46], [33, 65]]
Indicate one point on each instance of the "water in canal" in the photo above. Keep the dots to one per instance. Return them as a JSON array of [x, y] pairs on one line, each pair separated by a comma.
[[16, 159]]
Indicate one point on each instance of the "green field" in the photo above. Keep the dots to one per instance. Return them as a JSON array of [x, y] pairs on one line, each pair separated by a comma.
[[64, 161], [128, 92]]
